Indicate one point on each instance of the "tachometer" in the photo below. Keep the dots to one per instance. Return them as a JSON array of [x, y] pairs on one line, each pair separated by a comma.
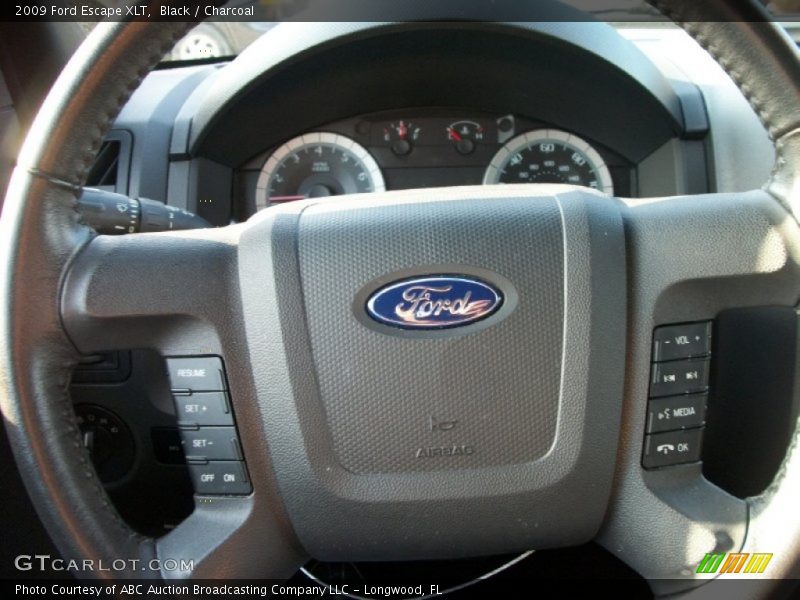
[[549, 156], [315, 165]]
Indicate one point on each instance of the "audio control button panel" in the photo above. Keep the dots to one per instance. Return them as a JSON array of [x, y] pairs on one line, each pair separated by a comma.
[[679, 381], [207, 425]]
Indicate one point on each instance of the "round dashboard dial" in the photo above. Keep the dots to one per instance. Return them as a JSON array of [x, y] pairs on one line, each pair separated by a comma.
[[549, 156], [316, 165]]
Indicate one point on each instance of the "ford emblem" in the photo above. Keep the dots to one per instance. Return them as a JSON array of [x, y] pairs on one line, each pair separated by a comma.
[[433, 302]]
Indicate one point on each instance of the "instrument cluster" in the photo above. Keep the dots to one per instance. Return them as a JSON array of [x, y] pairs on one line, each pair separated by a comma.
[[419, 149]]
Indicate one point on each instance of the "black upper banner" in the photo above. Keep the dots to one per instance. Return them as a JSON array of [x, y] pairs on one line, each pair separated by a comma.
[[365, 10]]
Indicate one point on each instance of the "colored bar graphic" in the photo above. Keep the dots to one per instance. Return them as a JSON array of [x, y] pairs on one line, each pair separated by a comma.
[[758, 562], [710, 563], [734, 563]]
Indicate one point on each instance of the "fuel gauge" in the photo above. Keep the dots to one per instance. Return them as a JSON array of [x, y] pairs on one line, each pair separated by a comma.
[[465, 135], [400, 136]]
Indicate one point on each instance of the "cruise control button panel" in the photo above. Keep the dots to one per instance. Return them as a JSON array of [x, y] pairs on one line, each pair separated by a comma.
[[676, 407], [672, 448], [207, 426]]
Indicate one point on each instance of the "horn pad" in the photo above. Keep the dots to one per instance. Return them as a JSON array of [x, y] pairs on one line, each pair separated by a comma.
[[454, 366]]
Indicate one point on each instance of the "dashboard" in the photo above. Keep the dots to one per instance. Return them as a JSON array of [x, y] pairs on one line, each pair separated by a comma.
[[321, 109], [317, 110]]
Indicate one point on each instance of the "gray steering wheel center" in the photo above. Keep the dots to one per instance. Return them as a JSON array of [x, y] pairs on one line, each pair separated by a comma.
[[504, 421]]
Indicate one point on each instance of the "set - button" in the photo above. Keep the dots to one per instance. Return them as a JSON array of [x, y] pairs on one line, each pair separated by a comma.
[[211, 443], [207, 427], [679, 380]]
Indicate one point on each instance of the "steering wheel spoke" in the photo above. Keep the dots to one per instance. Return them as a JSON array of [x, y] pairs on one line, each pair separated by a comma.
[[688, 259], [174, 292], [178, 293], [232, 538]]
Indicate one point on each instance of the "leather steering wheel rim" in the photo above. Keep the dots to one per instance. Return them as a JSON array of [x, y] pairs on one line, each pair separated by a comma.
[[40, 236]]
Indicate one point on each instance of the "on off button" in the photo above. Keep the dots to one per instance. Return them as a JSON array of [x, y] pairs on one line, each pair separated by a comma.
[[217, 478]]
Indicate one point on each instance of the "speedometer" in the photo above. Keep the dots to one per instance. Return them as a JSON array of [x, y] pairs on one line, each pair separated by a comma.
[[549, 156], [316, 165]]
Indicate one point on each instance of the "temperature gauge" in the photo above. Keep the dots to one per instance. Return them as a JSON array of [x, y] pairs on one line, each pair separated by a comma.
[[400, 136], [465, 135]]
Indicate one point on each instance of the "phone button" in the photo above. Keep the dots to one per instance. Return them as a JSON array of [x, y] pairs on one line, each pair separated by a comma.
[[672, 448]]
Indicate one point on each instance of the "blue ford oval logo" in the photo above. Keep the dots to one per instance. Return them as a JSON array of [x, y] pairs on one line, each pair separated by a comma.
[[434, 302]]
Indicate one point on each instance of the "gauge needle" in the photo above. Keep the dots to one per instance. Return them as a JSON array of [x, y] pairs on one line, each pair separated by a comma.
[[453, 134], [286, 198]]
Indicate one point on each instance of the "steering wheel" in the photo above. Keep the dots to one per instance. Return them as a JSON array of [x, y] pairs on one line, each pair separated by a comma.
[[340, 417]]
